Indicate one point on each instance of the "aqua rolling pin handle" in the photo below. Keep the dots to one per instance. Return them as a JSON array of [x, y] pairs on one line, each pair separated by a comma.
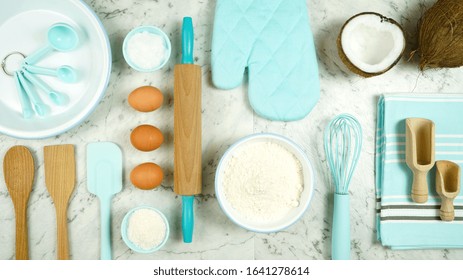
[[340, 240], [187, 41], [187, 218]]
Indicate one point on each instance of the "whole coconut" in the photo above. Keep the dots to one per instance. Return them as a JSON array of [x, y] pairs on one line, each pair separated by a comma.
[[441, 35]]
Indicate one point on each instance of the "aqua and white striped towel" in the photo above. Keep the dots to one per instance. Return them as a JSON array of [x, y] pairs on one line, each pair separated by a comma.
[[401, 223]]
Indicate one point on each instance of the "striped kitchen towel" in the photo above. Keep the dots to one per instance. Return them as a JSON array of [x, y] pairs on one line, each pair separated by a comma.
[[401, 223]]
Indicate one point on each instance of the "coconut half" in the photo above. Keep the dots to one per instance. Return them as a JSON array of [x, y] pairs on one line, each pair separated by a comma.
[[370, 44]]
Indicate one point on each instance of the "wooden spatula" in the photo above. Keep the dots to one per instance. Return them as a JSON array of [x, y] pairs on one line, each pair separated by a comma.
[[60, 178], [18, 170]]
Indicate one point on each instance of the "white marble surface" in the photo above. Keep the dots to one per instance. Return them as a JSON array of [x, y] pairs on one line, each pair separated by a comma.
[[226, 118]]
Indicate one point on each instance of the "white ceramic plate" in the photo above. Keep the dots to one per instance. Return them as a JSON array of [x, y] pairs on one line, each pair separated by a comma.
[[23, 28], [293, 215]]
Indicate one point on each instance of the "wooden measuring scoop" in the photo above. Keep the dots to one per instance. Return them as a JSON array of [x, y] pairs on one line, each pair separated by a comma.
[[447, 186], [419, 154], [18, 170], [60, 178]]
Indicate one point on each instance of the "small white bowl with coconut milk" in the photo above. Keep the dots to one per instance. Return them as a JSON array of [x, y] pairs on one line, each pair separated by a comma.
[[264, 182]]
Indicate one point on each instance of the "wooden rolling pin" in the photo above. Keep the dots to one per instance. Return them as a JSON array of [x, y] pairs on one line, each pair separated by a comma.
[[187, 130]]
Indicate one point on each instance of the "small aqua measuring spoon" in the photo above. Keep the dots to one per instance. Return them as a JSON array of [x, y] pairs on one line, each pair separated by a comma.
[[40, 108], [56, 97], [61, 37], [64, 73], [23, 99]]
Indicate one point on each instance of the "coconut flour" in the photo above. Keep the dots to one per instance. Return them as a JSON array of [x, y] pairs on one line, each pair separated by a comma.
[[146, 229], [263, 181]]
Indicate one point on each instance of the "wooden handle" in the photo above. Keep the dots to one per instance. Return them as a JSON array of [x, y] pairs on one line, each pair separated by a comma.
[[420, 187], [187, 129], [60, 177], [22, 248], [447, 212], [62, 229]]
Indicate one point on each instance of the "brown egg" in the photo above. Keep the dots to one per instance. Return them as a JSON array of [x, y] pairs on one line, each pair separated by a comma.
[[146, 99], [146, 176], [146, 138]]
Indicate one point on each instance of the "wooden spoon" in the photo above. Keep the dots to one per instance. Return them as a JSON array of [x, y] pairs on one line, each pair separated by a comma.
[[447, 187], [60, 178], [18, 170]]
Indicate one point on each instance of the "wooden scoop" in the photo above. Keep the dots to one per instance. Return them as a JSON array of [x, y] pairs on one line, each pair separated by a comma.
[[60, 178], [447, 186], [18, 170], [419, 154]]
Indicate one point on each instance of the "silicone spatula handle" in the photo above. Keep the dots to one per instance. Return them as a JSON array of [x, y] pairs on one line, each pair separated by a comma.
[[340, 241], [187, 218], [187, 41], [105, 205]]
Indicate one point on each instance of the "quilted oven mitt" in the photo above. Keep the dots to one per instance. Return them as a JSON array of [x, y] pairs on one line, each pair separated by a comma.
[[273, 39]]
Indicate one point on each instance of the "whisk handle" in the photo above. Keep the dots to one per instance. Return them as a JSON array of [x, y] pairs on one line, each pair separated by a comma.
[[340, 240]]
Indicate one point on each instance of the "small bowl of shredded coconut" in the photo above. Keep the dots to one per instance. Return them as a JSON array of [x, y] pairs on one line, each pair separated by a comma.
[[264, 182], [145, 229], [146, 48]]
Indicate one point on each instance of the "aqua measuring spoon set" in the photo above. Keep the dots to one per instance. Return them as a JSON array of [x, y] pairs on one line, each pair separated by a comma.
[[61, 37]]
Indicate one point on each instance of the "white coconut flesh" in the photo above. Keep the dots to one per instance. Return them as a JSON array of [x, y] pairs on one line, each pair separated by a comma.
[[372, 44]]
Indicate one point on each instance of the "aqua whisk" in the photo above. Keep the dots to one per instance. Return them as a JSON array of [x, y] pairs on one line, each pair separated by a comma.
[[343, 142]]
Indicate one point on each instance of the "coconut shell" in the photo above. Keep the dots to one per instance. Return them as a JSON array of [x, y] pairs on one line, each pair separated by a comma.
[[346, 60], [441, 35]]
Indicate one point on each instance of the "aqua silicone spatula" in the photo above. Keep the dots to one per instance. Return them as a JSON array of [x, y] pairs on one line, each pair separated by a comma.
[[104, 179], [187, 129]]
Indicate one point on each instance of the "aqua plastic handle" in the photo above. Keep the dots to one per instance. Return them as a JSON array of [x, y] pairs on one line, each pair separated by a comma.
[[40, 70], [187, 218], [105, 208], [187, 41], [340, 240], [55, 97], [38, 55], [40, 108], [24, 100]]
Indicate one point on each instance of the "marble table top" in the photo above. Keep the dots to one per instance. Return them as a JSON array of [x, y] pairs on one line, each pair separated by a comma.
[[227, 117]]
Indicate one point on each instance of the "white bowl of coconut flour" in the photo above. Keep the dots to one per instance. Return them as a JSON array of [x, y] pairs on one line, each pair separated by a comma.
[[264, 182], [145, 229]]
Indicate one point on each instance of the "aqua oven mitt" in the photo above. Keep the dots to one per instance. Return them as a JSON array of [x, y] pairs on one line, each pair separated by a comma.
[[273, 39]]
